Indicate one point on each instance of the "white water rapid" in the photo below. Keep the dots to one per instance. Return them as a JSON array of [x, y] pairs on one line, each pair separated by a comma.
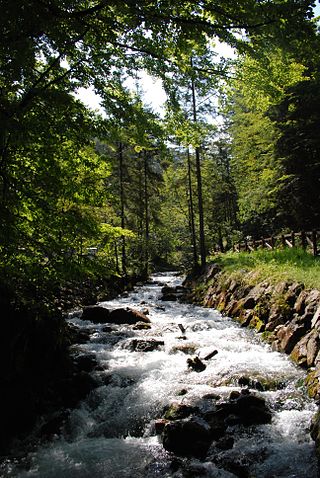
[[111, 434]]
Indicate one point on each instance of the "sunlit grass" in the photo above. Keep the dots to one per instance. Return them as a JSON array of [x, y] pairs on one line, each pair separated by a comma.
[[278, 265]]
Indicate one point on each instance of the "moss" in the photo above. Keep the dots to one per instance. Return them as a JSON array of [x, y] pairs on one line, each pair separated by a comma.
[[257, 323], [312, 384]]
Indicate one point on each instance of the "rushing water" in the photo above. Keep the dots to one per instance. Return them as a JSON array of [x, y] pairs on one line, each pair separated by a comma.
[[112, 435]]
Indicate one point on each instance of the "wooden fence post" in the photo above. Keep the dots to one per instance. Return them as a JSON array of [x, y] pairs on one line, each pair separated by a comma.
[[273, 242], [293, 239], [283, 240], [303, 240], [314, 243]]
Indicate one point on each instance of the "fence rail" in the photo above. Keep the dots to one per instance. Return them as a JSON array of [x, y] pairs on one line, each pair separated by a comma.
[[307, 240]]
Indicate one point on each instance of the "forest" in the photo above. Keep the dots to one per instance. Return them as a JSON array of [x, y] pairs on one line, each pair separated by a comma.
[[123, 190], [94, 200]]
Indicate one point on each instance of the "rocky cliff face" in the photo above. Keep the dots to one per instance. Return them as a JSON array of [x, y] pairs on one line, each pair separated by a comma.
[[286, 314]]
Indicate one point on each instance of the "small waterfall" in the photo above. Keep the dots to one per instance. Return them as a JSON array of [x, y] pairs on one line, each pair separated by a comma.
[[112, 433]]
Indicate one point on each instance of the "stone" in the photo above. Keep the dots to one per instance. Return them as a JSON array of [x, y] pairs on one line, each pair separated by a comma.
[[141, 326], [143, 345], [188, 437], [289, 335], [315, 322], [178, 411], [300, 303], [96, 314], [293, 293], [159, 425], [86, 363], [127, 316]]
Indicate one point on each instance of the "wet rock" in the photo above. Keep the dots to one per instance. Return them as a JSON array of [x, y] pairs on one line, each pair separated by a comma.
[[211, 396], [85, 363], [183, 391], [246, 409], [251, 383], [96, 314], [159, 425], [78, 335], [188, 437], [107, 329], [196, 364], [127, 316], [186, 348], [217, 423], [178, 411], [143, 345], [253, 410], [141, 326]]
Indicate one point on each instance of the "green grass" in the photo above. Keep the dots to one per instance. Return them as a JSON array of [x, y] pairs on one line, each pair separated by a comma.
[[275, 266]]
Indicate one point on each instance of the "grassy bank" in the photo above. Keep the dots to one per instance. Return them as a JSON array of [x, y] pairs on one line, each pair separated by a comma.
[[275, 266]]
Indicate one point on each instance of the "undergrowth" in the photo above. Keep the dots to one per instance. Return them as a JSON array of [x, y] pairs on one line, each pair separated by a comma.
[[279, 265]]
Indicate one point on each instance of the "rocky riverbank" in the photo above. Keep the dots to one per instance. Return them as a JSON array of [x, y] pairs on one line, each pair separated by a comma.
[[287, 315]]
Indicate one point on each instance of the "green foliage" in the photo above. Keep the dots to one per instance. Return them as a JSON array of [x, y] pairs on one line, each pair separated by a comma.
[[275, 266]]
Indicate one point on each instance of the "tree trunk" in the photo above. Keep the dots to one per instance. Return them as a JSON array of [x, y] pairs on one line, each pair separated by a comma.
[[191, 209], [121, 180], [199, 184], [146, 210]]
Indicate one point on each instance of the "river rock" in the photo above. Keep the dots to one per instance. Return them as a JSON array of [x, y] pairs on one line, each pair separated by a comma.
[[177, 411], [96, 314], [188, 437], [244, 408], [143, 345], [127, 316], [141, 326], [85, 363]]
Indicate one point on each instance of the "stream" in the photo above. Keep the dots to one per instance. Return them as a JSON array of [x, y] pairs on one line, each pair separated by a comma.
[[112, 433]]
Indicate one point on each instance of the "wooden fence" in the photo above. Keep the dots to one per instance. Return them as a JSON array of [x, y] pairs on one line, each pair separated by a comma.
[[307, 240]]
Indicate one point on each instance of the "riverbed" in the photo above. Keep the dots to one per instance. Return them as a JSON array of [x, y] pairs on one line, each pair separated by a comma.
[[112, 433]]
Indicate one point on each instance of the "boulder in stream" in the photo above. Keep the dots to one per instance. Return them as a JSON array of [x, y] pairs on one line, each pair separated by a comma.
[[188, 437], [96, 314], [127, 316]]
